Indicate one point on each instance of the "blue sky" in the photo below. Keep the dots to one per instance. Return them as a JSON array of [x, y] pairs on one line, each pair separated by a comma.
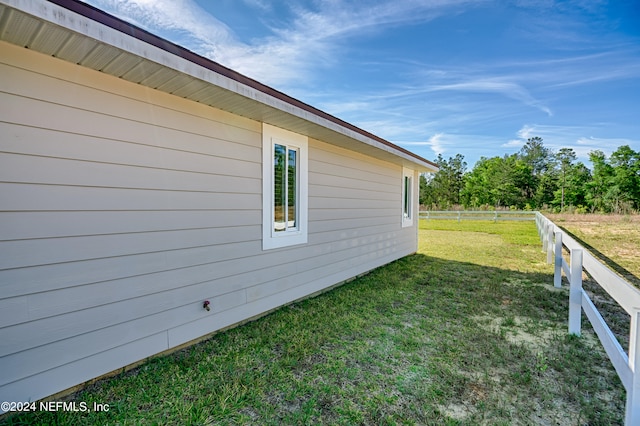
[[475, 77]]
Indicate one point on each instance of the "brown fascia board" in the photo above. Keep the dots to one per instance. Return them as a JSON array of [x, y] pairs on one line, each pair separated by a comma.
[[118, 24]]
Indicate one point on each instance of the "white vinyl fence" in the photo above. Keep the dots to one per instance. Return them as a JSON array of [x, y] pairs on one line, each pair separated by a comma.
[[627, 296], [494, 215]]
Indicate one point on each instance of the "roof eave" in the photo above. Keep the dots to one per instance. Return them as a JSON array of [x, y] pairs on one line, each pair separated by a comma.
[[136, 55]]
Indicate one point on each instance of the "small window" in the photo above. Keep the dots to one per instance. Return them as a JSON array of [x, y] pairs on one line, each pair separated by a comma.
[[407, 197], [284, 188]]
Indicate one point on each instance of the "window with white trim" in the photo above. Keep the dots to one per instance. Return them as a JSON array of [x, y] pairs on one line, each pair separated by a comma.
[[407, 197], [284, 187]]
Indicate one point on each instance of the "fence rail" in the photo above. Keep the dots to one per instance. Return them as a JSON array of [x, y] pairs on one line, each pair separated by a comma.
[[494, 215], [627, 296]]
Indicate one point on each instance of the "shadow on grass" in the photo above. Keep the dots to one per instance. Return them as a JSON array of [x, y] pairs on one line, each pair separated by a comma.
[[614, 315], [422, 340], [621, 270]]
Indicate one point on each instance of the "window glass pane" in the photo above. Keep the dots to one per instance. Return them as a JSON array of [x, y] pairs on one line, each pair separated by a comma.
[[279, 187], [407, 197], [284, 186], [292, 185]]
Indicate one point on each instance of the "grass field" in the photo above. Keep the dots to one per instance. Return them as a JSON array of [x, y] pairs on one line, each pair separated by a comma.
[[615, 240], [467, 331]]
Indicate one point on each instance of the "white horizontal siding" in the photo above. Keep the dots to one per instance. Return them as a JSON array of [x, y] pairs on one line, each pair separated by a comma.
[[346, 172], [79, 346], [133, 143], [341, 193], [327, 265], [361, 205], [19, 281], [134, 105], [337, 182], [57, 171], [349, 161], [320, 227], [198, 327], [48, 224], [21, 253], [353, 213], [326, 249], [38, 197], [64, 376], [123, 208]]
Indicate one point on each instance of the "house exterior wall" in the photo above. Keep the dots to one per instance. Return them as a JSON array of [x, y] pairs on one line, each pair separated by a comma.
[[123, 208]]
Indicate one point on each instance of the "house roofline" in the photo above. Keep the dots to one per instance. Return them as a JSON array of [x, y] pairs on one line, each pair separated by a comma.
[[92, 13]]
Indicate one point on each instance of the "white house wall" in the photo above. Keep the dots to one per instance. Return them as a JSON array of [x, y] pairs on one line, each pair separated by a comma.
[[123, 208]]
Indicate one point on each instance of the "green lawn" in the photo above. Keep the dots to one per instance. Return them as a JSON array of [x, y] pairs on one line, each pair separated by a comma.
[[614, 240], [467, 331]]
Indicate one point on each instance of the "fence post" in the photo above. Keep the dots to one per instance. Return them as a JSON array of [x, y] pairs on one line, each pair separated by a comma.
[[545, 234], [550, 244], [458, 216], [557, 273], [495, 216], [539, 224], [575, 292], [632, 411]]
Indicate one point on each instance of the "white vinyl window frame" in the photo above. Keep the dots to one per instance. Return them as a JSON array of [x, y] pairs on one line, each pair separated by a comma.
[[292, 188], [408, 183]]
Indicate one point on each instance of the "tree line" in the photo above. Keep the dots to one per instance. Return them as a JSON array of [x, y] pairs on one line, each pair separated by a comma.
[[537, 178]]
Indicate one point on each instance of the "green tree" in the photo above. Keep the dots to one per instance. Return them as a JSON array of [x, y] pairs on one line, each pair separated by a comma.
[[565, 157], [536, 177], [443, 189], [626, 179], [477, 186], [497, 181], [546, 188], [578, 176], [540, 160], [536, 155], [601, 181], [427, 197]]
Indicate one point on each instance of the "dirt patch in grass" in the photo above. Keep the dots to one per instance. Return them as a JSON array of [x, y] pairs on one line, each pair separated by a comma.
[[521, 330]]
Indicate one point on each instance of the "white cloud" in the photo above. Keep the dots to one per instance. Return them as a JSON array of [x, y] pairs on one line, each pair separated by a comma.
[[259, 4], [556, 137], [584, 145], [338, 107], [183, 16], [308, 42], [436, 142], [551, 134], [513, 143], [183, 21], [496, 85], [526, 132], [461, 105]]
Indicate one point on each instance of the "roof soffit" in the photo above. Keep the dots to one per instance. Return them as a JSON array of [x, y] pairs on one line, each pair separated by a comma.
[[80, 38]]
